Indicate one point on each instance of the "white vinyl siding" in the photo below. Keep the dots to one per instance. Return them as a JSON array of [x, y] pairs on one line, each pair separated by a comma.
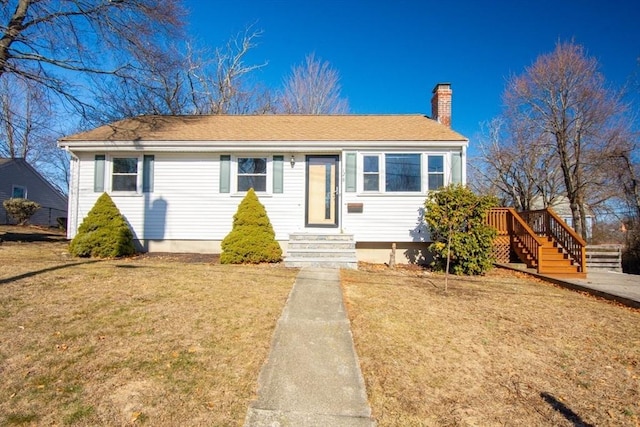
[[186, 203], [395, 216], [384, 218]]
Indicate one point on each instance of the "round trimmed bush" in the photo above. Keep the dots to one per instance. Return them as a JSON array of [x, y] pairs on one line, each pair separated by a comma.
[[104, 233], [20, 209], [252, 239]]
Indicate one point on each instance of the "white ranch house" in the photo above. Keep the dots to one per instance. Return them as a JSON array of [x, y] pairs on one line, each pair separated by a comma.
[[179, 179]]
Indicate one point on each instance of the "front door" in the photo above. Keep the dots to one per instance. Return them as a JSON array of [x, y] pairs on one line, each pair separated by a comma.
[[322, 191]]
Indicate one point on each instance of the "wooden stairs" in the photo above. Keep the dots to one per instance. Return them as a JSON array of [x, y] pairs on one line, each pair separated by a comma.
[[539, 239], [553, 260]]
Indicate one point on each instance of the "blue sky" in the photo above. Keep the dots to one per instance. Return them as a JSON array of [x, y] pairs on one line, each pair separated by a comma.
[[391, 54]]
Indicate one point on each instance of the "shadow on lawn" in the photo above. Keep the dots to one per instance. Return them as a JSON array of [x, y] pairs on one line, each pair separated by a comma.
[[32, 236], [44, 270], [564, 410]]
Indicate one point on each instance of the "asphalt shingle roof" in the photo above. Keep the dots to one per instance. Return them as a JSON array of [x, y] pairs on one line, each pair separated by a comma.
[[272, 128]]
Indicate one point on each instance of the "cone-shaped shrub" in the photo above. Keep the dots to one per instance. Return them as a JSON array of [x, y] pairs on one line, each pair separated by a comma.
[[104, 233], [252, 239]]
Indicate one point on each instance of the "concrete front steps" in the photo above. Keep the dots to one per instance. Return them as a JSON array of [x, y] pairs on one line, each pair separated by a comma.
[[321, 250]]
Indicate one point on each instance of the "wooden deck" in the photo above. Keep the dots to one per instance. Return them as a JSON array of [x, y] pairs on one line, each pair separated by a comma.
[[540, 239]]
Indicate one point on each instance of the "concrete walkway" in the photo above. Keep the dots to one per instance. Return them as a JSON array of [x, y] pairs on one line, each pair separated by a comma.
[[312, 376], [620, 287], [624, 288]]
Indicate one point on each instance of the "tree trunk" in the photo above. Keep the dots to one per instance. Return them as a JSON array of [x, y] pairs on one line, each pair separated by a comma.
[[12, 32]]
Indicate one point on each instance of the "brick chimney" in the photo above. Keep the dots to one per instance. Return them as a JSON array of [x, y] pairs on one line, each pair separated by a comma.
[[441, 104]]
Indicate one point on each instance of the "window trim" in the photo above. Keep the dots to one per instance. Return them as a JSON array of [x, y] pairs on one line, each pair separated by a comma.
[[424, 172], [443, 173], [379, 173], [269, 157], [138, 174], [264, 175]]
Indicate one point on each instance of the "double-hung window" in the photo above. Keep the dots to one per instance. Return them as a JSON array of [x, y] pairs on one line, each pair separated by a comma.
[[402, 172], [252, 173], [124, 174], [435, 171], [371, 173]]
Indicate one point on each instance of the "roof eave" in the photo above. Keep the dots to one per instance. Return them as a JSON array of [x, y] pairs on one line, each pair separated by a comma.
[[247, 146]]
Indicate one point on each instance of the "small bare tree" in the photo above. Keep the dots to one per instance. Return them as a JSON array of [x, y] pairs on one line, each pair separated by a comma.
[[313, 88]]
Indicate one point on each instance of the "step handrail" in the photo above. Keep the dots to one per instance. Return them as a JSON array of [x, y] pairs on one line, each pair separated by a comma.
[[546, 222], [507, 222]]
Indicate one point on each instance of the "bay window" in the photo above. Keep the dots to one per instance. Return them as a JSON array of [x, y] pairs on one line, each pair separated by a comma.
[[405, 172]]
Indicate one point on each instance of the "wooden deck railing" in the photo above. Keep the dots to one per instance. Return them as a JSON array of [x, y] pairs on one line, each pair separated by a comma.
[[507, 222], [546, 222]]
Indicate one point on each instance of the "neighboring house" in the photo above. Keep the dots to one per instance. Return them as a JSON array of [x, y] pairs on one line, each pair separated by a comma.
[[179, 179], [18, 179], [561, 207]]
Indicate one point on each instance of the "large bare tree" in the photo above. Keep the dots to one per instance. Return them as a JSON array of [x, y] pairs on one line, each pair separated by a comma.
[[563, 96], [28, 129], [50, 43], [520, 170], [190, 81], [313, 88], [27, 121]]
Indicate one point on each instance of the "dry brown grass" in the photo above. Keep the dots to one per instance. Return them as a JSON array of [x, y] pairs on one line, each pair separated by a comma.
[[144, 340], [496, 350]]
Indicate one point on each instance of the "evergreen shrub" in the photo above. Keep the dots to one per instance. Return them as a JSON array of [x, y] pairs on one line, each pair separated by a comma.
[[20, 209], [104, 233], [252, 239], [457, 222]]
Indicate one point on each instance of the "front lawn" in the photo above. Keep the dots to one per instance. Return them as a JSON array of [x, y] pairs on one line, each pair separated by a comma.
[[169, 340], [499, 350], [152, 339]]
